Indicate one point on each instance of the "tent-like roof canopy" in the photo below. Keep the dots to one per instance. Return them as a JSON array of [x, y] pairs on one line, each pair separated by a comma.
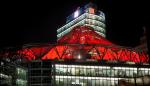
[[81, 43], [83, 35]]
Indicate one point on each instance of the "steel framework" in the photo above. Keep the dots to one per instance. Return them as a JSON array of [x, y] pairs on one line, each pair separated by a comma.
[[81, 42]]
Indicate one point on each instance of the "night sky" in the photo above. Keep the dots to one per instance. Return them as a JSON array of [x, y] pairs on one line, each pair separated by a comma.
[[36, 22]]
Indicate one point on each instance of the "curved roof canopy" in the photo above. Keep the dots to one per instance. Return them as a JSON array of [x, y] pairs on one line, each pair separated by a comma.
[[81, 43]]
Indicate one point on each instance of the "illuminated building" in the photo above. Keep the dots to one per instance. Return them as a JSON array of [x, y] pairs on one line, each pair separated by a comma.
[[12, 74], [84, 16], [83, 56]]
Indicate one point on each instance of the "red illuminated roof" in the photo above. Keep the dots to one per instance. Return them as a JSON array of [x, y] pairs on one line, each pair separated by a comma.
[[84, 42], [83, 35], [96, 52]]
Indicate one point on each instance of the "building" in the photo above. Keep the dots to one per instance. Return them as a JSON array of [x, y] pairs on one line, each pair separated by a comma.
[[87, 16], [83, 56], [12, 74], [40, 73]]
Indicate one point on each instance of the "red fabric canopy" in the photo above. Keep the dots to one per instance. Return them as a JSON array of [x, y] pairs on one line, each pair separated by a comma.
[[84, 42], [83, 35]]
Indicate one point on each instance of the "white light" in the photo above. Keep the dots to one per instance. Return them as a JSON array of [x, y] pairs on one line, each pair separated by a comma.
[[76, 14], [81, 66], [125, 68], [3, 75], [82, 17], [79, 56], [80, 77], [144, 69], [21, 81]]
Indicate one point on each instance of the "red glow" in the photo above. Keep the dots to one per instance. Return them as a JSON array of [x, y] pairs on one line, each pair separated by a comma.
[[83, 35], [96, 52], [27, 53], [85, 42]]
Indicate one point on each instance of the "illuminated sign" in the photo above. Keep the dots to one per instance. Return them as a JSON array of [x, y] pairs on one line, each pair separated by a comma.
[[76, 13]]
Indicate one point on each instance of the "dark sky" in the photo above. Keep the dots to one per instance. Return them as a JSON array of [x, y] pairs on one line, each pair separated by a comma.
[[36, 22]]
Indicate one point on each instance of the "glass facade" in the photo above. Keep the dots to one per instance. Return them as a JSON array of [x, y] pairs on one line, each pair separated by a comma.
[[82, 57], [87, 19], [21, 77], [13, 74], [39, 73], [93, 75], [5, 79]]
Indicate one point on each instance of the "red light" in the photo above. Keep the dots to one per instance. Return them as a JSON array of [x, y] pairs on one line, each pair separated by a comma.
[[85, 42]]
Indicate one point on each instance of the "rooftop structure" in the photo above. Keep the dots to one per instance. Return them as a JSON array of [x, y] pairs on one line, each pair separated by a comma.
[[82, 56], [87, 15]]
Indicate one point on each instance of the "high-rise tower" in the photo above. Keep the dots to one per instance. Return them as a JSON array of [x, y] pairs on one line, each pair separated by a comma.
[[83, 56], [86, 16]]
